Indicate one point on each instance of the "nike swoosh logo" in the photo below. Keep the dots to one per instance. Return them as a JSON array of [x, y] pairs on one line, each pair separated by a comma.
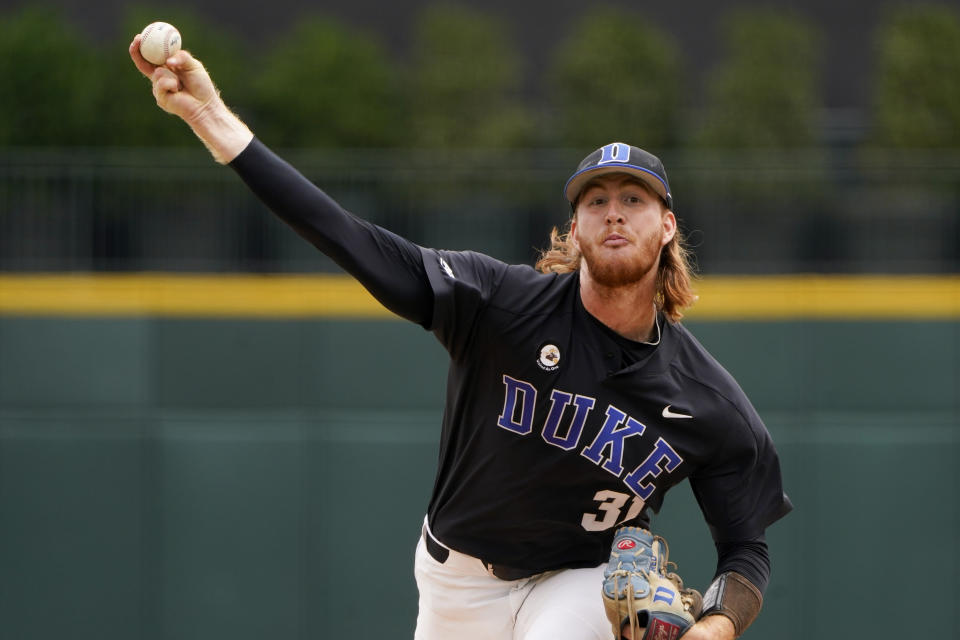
[[670, 414]]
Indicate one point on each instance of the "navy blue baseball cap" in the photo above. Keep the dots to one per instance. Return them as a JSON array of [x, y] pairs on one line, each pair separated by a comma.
[[618, 157]]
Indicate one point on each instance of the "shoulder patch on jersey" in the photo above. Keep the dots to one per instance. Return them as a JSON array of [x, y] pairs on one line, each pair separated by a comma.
[[548, 357]]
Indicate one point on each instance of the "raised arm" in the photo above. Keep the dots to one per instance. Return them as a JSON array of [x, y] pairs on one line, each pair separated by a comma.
[[390, 267]]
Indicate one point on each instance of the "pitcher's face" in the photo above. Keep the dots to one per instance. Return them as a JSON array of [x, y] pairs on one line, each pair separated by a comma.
[[620, 227]]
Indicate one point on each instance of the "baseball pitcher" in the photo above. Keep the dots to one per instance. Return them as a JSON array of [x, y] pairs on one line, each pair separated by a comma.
[[576, 399]]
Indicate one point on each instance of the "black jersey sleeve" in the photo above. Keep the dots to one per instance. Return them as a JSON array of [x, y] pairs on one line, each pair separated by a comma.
[[740, 491], [388, 266], [463, 283]]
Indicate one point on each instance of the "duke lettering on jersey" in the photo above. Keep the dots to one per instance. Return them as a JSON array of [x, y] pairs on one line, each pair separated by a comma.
[[662, 453], [560, 401], [607, 448], [520, 396], [611, 438]]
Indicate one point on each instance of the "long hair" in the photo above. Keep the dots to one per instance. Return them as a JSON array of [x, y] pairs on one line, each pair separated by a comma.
[[674, 287]]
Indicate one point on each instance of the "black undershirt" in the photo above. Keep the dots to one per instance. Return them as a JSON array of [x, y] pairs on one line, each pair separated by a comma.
[[391, 269]]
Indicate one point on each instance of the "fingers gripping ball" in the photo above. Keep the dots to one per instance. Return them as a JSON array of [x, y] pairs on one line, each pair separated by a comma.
[[639, 593], [159, 41]]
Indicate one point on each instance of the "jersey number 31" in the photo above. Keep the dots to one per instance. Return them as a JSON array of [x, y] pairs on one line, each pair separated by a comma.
[[609, 510]]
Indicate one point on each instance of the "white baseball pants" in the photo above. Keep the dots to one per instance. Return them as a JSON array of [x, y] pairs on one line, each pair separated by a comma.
[[460, 600]]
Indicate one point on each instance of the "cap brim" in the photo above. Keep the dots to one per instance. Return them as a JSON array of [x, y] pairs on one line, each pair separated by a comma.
[[577, 181]]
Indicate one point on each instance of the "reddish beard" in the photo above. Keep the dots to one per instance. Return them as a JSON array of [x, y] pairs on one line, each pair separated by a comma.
[[623, 266]]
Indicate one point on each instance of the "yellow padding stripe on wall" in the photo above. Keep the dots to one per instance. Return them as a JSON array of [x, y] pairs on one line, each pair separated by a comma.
[[840, 297], [283, 296], [338, 296]]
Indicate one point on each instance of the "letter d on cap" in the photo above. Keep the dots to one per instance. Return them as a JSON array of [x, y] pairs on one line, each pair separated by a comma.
[[615, 152]]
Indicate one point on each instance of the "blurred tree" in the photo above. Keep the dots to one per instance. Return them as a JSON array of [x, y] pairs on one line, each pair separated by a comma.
[[917, 88], [127, 113], [616, 78], [766, 93], [49, 79], [465, 82], [325, 85]]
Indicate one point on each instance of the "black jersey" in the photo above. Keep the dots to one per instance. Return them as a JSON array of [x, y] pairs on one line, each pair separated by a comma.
[[556, 432], [556, 429]]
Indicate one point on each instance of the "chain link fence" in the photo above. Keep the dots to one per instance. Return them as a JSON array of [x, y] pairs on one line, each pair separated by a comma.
[[764, 212]]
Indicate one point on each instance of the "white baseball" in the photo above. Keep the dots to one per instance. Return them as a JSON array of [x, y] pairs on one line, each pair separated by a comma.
[[159, 41]]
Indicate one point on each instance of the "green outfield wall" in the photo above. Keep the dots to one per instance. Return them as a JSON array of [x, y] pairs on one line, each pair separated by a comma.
[[178, 476]]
